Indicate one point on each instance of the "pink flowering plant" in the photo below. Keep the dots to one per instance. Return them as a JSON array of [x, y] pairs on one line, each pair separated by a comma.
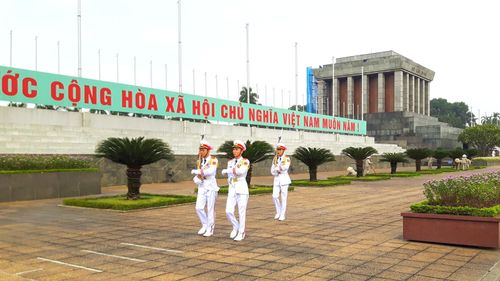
[[477, 195]]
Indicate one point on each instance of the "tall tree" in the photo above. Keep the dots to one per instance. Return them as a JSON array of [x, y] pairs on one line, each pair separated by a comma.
[[256, 152], [483, 137], [312, 158], [254, 97], [456, 114], [300, 107]]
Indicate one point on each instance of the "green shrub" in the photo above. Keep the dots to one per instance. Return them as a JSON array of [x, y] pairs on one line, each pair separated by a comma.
[[424, 207], [488, 159], [364, 178], [120, 202], [320, 183], [42, 162], [478, 191], [397, 175]]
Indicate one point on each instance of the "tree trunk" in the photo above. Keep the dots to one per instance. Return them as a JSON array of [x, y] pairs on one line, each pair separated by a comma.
[[394, 166], [439, 161], [313, 171], [249, 174], [418, 164], [133, 183], [359, 168]]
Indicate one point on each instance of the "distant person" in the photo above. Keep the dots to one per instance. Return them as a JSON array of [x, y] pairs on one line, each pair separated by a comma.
[[429, 162], [370, 167]]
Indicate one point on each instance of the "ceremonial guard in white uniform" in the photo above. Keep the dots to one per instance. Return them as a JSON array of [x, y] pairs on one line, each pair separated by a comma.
[[279, 170], [207, 188], [236, 171]]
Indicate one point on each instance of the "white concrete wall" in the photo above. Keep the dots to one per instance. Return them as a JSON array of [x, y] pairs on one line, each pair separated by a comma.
[[39, 131]]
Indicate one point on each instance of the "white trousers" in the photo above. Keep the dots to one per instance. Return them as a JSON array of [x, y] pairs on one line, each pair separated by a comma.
[[280, 207], [206, 198], [242, 201]]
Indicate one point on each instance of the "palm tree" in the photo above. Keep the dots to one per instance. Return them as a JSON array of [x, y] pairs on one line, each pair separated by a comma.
[[440, 154], [394, 158], [256, 152], [312, 158], [254, 97], [134, 153], [359, 154], [418, 154]]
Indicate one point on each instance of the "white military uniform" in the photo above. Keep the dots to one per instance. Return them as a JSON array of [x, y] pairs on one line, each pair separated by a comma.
[[207, 193], [238, 194], [279, 170]]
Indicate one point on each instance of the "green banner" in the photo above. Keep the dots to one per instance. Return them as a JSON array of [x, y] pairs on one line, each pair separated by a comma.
[[20, 85]]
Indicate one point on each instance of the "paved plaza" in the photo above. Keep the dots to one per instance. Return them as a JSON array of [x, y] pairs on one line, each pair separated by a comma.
[[351, 232]]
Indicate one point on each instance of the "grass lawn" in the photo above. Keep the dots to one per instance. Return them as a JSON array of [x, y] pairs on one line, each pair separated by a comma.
[[321, 183], [120, 202], [364, 178], [254, 189]]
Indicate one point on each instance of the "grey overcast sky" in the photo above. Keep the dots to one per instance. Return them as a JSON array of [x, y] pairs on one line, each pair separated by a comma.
[[459, 40]]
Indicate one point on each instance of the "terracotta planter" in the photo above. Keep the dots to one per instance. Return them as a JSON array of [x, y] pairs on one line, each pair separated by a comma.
[[451, 229]]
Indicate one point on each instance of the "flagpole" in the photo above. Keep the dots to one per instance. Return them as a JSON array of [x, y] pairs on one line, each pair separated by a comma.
[[248, 67], [180, 46], [296, 80], [58, 59], [10, 48], [79, 21]]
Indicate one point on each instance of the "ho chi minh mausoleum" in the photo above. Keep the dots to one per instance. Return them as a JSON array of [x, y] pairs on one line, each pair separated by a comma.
[[389, 91]]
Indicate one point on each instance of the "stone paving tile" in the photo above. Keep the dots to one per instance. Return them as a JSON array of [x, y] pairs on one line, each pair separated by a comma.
[[339, 233]]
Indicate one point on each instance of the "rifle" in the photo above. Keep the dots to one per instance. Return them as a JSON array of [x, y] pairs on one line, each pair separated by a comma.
[[198, 162], [275, 160]]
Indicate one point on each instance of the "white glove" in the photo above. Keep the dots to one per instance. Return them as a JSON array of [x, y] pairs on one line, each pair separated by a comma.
[[197, 180], [224, 171], [195, 172]]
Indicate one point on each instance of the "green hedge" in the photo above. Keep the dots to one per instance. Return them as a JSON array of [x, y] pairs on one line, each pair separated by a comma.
[[42, 162], [424, 207], [398, 175], [320, 183], [120, 202], [83, 170], [487, 159], [364, 178]]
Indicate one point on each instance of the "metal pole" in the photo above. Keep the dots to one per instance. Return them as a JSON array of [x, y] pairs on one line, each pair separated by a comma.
[[10, 48], [282, 99], [99, 62], [151, 73], [135, 71], [238, 86], [296, 80], [362, 90], [216, 87], [79, 21], [274, 98], [227, 87], [194, 83], [180, 46], [333, 86], [248, 67], [117, 69], [36, 53], [166, 77], [265, 93], [206, 89], [58, 58]]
